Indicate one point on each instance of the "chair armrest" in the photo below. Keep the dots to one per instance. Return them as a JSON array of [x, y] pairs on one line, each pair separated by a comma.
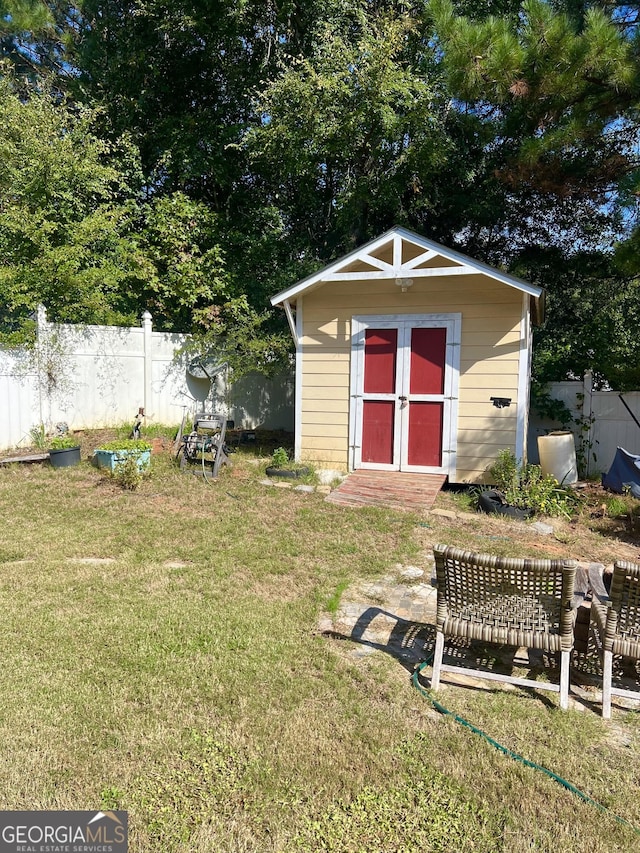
[[596, 583]]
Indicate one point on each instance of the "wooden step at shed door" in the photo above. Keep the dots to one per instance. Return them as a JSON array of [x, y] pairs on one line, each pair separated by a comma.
[[396, 490]]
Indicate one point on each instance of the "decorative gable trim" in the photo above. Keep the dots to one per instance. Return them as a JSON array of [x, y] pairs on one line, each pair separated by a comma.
[[395, 240]]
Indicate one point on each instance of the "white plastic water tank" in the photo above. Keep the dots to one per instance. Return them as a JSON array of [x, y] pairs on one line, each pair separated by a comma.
[[558, 456]]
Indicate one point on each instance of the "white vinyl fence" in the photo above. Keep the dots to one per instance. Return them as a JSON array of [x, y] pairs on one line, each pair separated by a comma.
[[605, 420], [99, 376]]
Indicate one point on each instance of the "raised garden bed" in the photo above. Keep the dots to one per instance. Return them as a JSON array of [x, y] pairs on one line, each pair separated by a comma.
[[115, 453]]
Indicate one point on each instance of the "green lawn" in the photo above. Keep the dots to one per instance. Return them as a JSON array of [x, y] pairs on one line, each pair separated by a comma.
[[160, 654]]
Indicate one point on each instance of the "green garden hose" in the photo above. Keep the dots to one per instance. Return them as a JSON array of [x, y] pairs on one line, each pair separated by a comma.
[[506, 751]]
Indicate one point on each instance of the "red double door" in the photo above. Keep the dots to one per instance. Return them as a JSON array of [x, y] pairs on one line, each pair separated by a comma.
[[404, 396]]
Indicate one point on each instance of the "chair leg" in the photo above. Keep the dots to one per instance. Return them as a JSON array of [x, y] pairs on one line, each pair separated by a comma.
[[607, 671], [564, 679], [437, 660]]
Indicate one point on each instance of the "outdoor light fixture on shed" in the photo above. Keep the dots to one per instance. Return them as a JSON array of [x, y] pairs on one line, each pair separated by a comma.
[[404, 283]]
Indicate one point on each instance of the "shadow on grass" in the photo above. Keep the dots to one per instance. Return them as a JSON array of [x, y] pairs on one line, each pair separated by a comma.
[[411, 643], [407, 642]]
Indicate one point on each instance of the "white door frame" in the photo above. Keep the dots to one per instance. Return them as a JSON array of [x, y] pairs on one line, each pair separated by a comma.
[[403, 322]]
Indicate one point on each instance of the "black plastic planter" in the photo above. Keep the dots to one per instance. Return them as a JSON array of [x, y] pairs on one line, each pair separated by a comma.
[[65, 457], [494, 501]]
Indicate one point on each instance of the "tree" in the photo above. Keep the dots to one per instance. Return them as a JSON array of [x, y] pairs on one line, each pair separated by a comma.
[[179, 77], [191, 87], [556, 86], [593, 314], [180, 82], [184, 266], [76, 233], [242, 336], [359, 135], [289, 133], [34, 37], [384, 120]]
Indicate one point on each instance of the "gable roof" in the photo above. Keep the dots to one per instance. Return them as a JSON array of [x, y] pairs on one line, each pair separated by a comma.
[[400, 253]]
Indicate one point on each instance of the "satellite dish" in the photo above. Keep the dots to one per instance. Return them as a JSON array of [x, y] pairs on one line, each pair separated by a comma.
[[206, 367], [200, 375], [198, 388]]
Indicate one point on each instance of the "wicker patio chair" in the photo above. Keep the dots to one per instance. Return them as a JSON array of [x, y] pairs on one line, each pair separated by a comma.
[[616, 619], [511, 602]]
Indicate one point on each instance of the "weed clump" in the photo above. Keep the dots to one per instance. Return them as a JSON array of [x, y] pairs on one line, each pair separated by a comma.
[[527, 487], [128, 474]]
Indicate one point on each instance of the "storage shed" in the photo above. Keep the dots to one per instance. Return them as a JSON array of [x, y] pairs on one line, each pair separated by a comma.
[[411, 357]]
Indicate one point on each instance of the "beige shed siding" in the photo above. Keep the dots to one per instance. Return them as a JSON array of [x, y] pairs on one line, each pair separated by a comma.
[[335, 378], [319, 416], [489, 361]]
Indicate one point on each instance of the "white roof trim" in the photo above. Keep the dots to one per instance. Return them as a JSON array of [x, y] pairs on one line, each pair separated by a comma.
[[395, 236], [428, 272]]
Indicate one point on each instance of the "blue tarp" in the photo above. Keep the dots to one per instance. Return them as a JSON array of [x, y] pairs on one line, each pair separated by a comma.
[[624, 474]]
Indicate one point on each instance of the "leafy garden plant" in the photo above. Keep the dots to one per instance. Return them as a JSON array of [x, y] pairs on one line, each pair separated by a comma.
[[63, 442], [130, 444], [283, 465], [38, 436], [280, 458], [527, 487]]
